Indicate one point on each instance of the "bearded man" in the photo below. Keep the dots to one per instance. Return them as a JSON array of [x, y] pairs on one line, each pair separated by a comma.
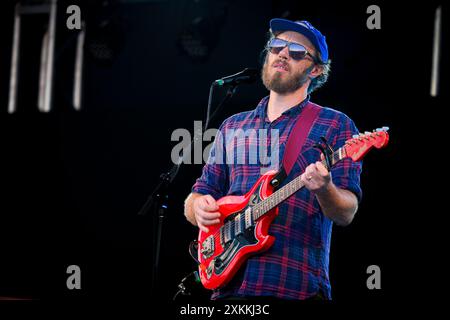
[[296, 266]]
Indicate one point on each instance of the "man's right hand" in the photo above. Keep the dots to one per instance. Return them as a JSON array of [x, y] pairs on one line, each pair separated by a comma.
[[206, 212]]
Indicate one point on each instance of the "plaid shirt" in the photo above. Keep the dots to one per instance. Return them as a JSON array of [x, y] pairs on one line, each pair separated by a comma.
[[296, 266]]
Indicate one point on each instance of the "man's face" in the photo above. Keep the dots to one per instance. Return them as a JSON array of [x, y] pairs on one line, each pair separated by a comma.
[[281, 73]]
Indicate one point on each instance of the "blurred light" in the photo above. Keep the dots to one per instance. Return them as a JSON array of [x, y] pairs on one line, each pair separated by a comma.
[[201, 33]]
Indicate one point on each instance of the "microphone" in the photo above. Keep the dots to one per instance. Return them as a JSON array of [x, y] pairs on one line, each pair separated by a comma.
[[248, 75]]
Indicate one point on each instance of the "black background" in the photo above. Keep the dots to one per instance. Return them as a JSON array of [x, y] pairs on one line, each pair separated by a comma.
[[73, 182]]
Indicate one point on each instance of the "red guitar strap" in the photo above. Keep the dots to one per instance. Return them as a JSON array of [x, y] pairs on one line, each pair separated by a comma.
[[298, 135]]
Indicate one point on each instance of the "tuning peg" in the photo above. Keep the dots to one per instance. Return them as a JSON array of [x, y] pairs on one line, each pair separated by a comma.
[[367, 133], [363, 136], [355, 136], [385, 128]]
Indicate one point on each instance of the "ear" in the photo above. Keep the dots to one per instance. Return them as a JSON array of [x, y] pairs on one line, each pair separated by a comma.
[[316, 71]]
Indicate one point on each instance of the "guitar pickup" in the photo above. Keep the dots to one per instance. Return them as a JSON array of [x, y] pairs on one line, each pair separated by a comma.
[[249, 222], [237, 225], [225, 233], [243, 221]]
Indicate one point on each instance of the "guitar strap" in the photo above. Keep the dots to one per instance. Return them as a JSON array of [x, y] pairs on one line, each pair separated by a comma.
[[298, 135]]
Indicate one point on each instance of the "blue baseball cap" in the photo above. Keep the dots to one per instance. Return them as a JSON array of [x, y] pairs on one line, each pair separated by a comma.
[[305, 28]]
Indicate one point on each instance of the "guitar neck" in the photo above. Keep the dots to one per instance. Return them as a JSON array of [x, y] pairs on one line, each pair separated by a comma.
[[289, 189]]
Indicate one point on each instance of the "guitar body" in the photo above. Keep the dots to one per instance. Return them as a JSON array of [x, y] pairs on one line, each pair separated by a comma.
[[228, 244]]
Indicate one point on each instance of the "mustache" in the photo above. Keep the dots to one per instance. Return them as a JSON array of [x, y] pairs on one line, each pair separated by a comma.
[[283, 63]]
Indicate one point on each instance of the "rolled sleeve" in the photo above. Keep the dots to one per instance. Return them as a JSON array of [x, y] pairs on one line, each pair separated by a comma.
[[346, 173]]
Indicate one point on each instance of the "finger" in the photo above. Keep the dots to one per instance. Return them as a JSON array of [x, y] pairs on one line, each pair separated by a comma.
[[210, 202], [321, 169], [207, 206], [313, 168], [310, 172], [210, 222], [208, 215], [202, 227], [209, 199], [305, 178], [207, 222]]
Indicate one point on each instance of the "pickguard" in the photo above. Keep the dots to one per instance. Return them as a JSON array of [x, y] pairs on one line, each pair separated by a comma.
[[246, 238]]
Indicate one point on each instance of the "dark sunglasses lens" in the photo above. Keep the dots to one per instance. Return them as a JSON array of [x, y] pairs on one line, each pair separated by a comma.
[[276, 45], [297, 51]]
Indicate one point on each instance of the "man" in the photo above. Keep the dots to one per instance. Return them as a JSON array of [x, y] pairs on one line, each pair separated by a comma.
[[296, 266]]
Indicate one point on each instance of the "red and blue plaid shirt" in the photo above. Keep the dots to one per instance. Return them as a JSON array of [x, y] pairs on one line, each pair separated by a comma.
[[296, 266]]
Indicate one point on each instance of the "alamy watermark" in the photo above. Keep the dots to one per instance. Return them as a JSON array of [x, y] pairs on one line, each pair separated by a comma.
[[374, 20], [374, 280], [231, 146], [74, 279], [74, 19]]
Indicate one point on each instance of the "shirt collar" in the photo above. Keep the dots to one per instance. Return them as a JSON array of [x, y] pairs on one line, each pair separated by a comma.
[[261, 109]]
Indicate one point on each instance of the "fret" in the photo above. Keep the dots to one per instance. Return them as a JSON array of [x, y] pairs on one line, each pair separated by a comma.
[[255, 211], [296, 185]]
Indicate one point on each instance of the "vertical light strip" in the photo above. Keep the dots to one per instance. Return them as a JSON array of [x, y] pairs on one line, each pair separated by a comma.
[[42, 72], [50, 56], [14, 62], [434, 90], [78, 73]]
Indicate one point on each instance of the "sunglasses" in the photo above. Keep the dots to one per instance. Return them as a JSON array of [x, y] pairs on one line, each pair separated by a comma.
[[296, 50]]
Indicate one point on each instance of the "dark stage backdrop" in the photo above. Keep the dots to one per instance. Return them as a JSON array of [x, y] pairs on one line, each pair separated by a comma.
[[73, 181]]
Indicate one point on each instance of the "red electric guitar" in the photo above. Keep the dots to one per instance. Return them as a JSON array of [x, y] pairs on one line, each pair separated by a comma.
[[245, 220]]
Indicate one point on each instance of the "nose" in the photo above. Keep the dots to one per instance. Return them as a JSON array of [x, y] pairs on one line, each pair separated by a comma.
[[284, 53]]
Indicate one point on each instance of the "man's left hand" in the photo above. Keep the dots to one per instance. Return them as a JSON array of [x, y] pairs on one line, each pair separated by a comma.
[[316, 177]]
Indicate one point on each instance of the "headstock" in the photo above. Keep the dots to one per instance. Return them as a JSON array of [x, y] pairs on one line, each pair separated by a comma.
[[357, 147]]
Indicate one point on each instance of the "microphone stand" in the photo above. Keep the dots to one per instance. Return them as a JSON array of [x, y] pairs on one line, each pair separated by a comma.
[[158, 199]]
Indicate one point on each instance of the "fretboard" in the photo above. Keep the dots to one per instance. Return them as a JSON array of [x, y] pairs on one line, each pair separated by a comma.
[[289, 189]]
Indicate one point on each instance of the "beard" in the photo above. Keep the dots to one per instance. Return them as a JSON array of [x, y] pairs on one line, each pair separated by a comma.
[[283, 84]]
